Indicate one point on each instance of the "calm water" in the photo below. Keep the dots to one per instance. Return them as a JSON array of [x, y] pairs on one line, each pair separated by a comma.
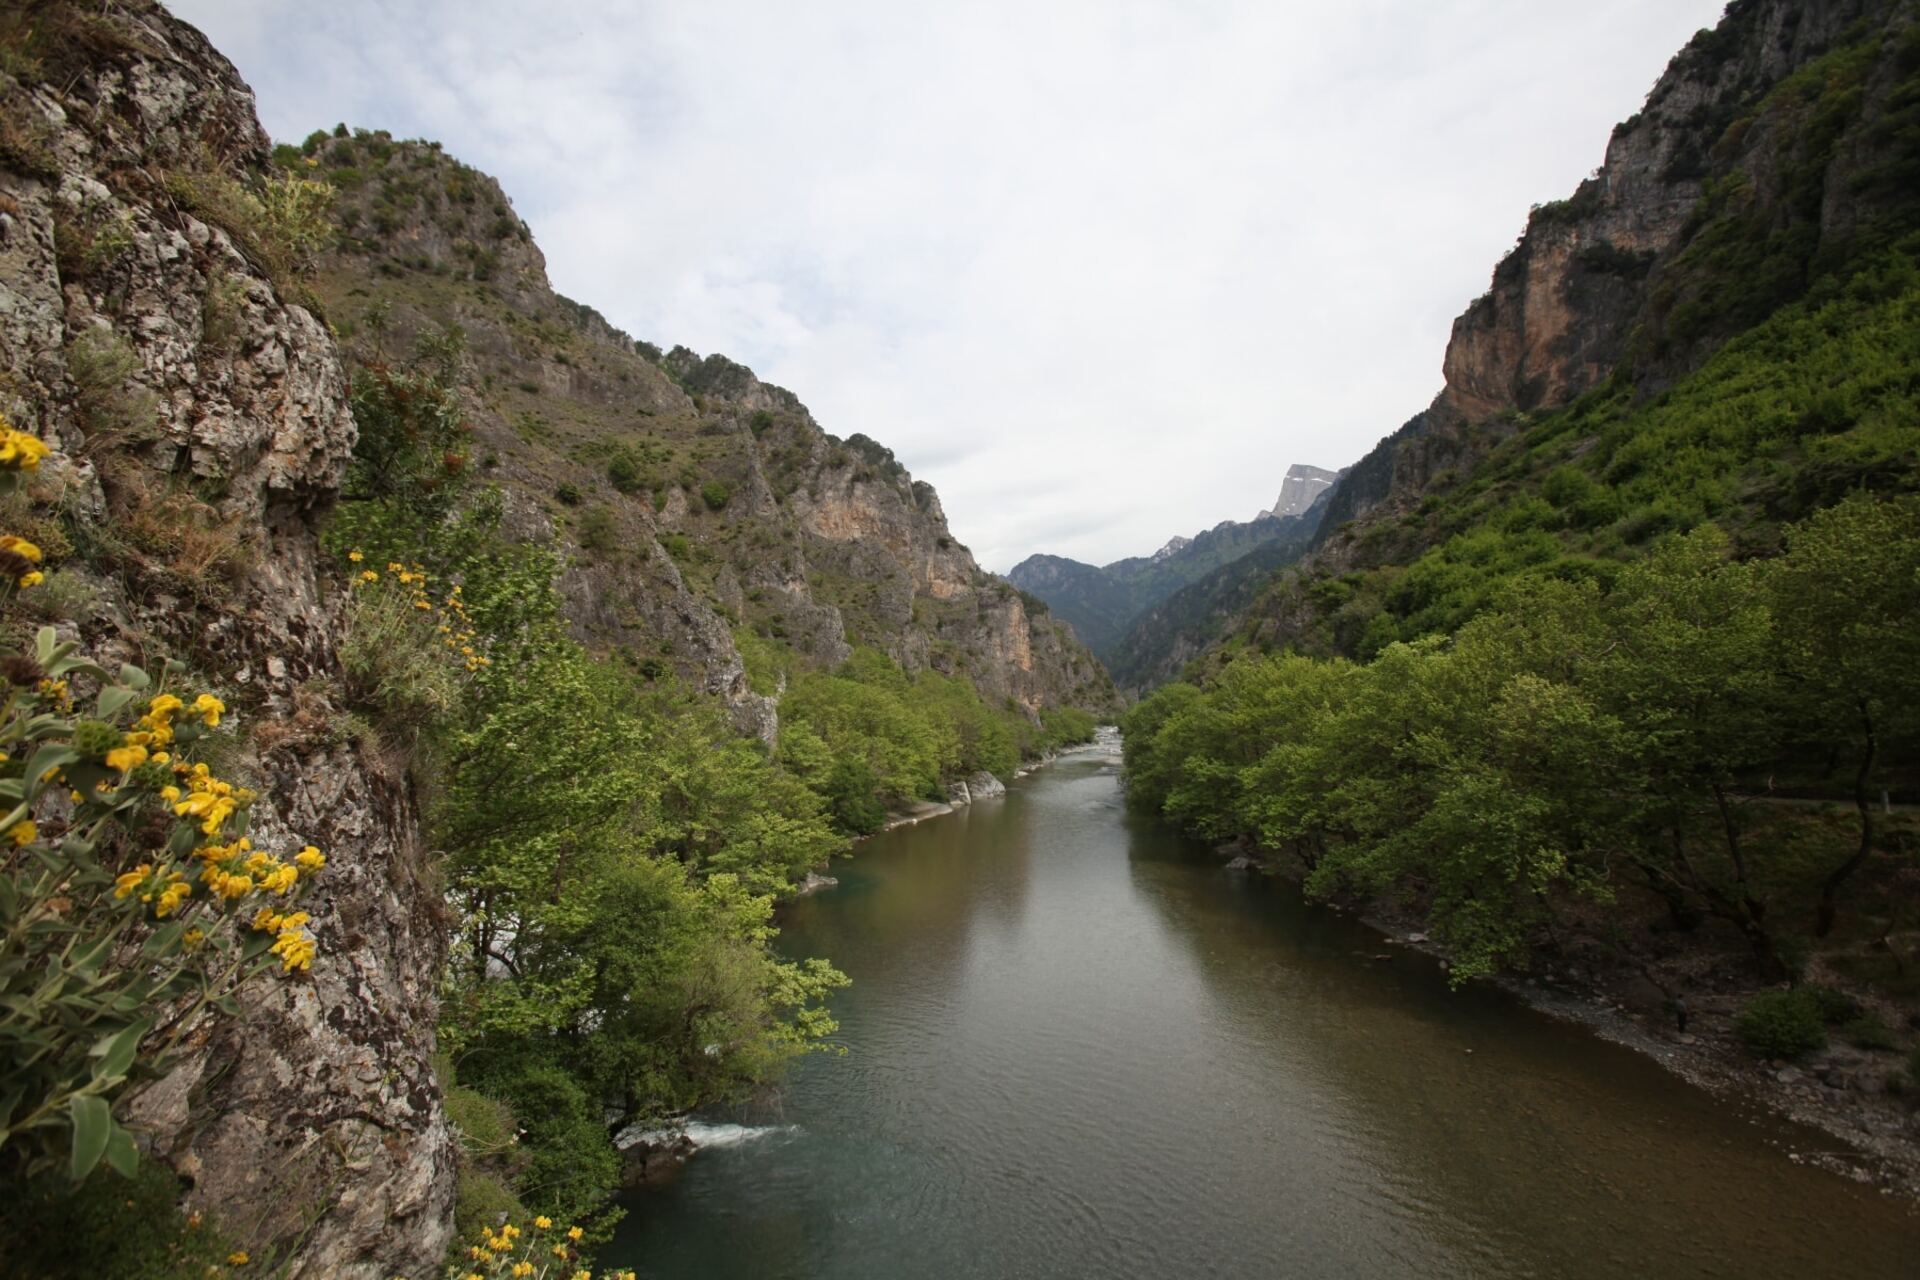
[[1076, 1047]]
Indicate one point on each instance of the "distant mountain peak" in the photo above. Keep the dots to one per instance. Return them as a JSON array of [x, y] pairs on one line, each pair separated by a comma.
[[1175, 545], [1302, 485]]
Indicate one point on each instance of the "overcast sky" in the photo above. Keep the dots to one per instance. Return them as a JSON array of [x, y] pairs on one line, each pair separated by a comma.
[[1098, 269]]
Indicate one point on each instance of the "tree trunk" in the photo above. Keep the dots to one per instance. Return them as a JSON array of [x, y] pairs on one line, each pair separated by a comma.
[[1829, 892]]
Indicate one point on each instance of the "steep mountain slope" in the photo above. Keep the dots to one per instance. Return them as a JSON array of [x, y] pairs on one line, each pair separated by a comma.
[[700, 510], [1161, 640], [152, 336], [1585, 411], [1103, 603]]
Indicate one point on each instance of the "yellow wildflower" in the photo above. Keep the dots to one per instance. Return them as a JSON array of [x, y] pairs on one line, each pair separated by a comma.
[[171, 897], [280, 879], [238, 1258], [125, 883], [559, 1251], [20, 451], [125, 758], [543, 1222], [355, 556], [33, 579], [164, 705], [522, 1269], [226, 885], [169, 794], [20, 547], [574, 1234], [295, 950], [394, 566], [368, 575], [209, 709], [266, 920], [23, 832], [311, 858], [191, 940]]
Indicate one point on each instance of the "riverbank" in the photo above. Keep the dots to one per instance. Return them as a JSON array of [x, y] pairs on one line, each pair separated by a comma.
[[985, 786], [1856, 1096]]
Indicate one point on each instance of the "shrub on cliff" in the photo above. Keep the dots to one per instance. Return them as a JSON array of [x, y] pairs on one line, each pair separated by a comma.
[[1782, 1024]]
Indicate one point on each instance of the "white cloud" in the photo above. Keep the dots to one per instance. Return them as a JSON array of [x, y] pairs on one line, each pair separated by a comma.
[[1098, 270]]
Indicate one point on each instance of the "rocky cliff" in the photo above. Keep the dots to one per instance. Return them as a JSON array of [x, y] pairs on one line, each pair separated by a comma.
[[1300, 489], [697, 509], [197, 405], [1775, 147]]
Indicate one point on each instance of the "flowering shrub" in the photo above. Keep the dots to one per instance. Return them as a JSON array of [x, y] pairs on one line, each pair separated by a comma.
[[131, 897], [543, 1253]]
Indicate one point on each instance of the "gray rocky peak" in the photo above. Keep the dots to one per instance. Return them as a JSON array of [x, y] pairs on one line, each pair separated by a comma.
[[1297, 492], [1174, 546]]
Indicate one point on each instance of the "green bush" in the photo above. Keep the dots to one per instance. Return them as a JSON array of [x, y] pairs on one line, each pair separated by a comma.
[[482, 1199], [598, 532], [851, 800], [395, 658], [715, 494], [572, 1166], [625, 474], [567, 494], [1868, 1031], [127, 1228], [1782, 1024], [1835, 1007]]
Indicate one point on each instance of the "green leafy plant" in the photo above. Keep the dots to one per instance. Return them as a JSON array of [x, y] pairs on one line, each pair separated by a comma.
[[1781, 1024], [130, 898]]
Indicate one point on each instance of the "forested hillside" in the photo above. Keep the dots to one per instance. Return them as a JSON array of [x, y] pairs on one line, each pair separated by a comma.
[[1609, 654]]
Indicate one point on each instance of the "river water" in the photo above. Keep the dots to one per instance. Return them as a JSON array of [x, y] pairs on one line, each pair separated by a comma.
[[1077, 1047]]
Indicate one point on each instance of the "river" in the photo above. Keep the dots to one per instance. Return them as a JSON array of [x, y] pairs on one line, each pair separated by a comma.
[[1075, 1046]]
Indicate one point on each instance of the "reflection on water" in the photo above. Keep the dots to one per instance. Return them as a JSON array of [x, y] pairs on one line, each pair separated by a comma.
[[1077, 1048]]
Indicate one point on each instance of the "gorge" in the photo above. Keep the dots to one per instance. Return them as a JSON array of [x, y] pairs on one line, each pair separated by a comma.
[[447, 736]]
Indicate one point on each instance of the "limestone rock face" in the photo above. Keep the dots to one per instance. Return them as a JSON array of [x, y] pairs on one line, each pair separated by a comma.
[[207, 400], [734, 513], [1621, 277], [1563, 304], [1300, 488]]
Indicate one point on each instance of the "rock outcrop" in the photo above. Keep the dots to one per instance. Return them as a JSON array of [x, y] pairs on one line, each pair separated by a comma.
[[1300, 489], [199, 410], [1770, 149], [697, 510]]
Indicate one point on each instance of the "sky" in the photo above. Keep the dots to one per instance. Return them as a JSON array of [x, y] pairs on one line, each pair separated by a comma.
[[1100, 270]]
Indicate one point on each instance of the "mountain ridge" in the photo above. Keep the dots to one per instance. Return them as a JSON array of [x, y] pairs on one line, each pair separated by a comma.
[[691, 500], [1102, 602]]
